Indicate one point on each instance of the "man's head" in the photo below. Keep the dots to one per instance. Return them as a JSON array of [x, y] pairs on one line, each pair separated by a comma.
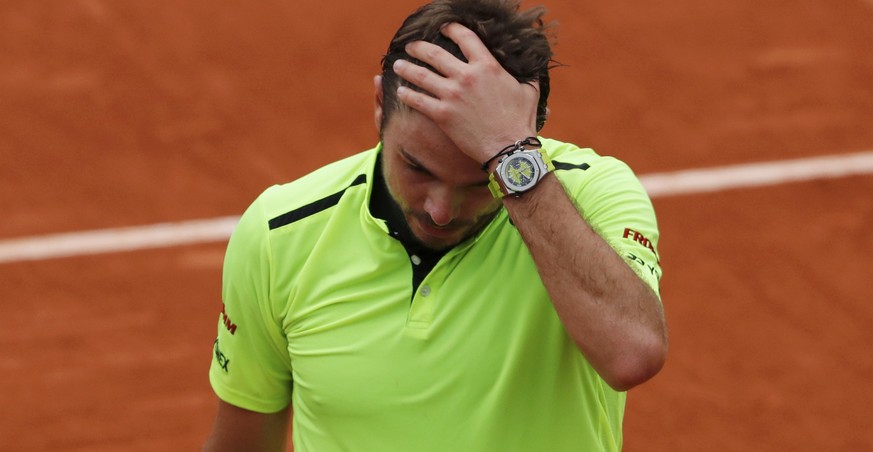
[[442, 192], [517, 39]]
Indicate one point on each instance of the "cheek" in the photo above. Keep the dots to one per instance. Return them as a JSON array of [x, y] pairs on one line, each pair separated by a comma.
[[409, 188], [479, 202]]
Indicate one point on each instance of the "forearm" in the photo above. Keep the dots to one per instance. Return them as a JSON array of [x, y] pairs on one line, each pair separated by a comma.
[[614, 318]]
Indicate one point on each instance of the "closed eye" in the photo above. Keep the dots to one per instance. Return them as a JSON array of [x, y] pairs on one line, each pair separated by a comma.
[[418, 169], [413, 164]]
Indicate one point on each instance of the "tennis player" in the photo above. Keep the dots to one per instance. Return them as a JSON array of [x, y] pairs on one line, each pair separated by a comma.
[[465, 285]]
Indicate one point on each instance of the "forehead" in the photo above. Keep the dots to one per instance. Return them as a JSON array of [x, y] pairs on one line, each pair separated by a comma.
[[412, 136]]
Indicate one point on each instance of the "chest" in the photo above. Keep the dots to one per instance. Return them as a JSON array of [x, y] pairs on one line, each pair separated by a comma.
[[366, 337]]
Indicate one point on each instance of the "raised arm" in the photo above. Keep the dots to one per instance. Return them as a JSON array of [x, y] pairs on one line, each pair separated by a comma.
[[615, 319]]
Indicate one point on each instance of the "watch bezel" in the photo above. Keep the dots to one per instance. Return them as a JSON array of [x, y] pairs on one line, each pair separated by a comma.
[[505, 165]]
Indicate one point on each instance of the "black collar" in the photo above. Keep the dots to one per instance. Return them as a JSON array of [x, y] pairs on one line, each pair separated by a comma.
[[384, 207]]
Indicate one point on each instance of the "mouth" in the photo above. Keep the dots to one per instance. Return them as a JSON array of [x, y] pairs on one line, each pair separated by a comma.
[[436, 231]]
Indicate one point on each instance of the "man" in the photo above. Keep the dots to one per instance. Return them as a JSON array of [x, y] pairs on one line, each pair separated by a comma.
[[464, 286]]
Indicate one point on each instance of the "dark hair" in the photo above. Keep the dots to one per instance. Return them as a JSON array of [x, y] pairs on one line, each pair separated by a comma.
[[517, 39]]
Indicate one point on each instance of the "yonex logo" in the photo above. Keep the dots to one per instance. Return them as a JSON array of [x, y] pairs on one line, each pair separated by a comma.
[[221, 357]]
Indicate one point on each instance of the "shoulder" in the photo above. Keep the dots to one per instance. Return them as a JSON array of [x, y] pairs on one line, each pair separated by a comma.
[[568, 157], [280, 206], [274, 235], [614, 202], [320, 189], [592, 177]]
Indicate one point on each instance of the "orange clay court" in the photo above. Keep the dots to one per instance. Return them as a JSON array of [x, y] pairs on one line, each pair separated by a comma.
[[123, 113]]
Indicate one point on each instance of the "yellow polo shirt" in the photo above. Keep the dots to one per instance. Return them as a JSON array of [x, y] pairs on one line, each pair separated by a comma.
[[320, 313]]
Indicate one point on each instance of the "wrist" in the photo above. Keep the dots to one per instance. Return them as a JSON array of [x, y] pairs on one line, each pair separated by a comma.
[[517, 171], [531, 142]]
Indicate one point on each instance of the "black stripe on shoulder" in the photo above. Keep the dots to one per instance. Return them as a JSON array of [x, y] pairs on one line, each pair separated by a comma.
[[314, 207], [570, 166]]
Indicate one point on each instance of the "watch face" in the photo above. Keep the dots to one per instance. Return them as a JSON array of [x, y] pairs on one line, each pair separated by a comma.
[[519, 172]]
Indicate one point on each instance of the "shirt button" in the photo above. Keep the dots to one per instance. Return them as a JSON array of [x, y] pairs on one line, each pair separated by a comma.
[[425, 291], [415, 259]]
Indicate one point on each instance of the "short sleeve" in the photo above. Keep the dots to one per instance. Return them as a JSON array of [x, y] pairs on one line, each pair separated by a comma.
[[614, 202], [251, 367]]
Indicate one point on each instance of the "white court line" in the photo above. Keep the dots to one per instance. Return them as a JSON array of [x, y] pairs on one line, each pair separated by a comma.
[[114, 240], [219, 229], [757, 174]]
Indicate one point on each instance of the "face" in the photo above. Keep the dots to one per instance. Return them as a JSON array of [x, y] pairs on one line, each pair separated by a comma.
[[443, 193]]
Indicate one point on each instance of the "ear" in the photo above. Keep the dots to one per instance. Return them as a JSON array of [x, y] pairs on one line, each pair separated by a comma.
[[377, 82]]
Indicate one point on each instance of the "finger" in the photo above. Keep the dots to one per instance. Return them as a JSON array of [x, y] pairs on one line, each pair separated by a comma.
[[420, 76], [437, 57], [471, 46], [421, 102]]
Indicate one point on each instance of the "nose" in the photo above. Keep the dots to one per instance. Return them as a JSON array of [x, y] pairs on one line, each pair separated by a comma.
[[441, 204]]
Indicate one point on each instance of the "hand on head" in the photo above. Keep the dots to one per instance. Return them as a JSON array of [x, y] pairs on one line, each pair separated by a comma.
[[477, 104]]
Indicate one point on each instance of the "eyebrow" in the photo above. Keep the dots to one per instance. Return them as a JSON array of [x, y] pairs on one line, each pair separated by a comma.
[[414, 161]]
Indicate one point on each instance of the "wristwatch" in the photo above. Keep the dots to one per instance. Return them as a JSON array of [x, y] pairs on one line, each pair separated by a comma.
[[519, 171]]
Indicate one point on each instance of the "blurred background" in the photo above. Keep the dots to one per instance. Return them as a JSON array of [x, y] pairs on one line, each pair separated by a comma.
[[129, 113]]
